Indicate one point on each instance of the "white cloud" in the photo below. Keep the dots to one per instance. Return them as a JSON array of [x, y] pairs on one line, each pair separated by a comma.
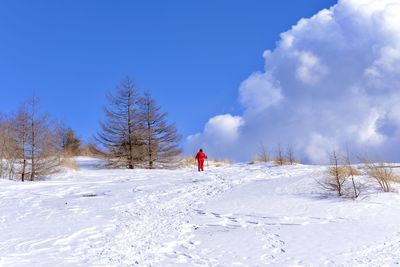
[[224, 127], [259, 92], [219, 136], [310, 69], [318, 148], [332, 81], [368, 132]]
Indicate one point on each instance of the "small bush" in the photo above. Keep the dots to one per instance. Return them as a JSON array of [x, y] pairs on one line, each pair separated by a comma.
[[263, 154], [285, 159], [383, 174], [351, 170], [344, 170], [92, 150], [187, 162], [70, 163], [220, 162], [340, 177], [336, 177]]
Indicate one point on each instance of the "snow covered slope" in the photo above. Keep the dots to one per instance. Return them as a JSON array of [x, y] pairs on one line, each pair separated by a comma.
[[240, 215]]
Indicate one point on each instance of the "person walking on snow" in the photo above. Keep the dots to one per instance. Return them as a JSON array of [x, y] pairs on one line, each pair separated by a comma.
[[200, 157]]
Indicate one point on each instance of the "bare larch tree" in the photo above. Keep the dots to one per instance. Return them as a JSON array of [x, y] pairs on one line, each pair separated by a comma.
[[38, 142], [160, 138], [120, 133], [21, 129]]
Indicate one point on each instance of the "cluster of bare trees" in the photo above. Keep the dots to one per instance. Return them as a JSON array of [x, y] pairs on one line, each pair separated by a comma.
[[30, 144], [136, 131], [282, 157], [345, 179]]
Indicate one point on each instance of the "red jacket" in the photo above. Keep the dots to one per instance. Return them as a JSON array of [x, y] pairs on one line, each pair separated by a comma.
[[201, 156]]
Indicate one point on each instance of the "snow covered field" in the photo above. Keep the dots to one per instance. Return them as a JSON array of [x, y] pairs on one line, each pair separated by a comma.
[[239, 215]]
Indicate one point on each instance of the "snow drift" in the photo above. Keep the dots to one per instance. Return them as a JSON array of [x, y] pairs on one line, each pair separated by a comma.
[[237, 215]]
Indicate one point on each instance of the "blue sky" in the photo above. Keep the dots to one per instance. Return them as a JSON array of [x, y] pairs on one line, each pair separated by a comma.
[[192, 55]]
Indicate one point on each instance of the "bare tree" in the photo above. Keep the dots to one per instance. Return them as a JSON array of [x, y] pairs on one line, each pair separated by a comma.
[[280, 159], [21, 129], [263, 154], [37, 142], [352, 172], [290, 155], [336, 176], [120, 132], [159, 137]]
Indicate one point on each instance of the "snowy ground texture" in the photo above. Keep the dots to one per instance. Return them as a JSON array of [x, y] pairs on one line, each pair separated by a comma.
[[238, 215]]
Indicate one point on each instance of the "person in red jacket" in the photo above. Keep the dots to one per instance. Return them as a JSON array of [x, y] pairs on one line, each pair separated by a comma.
[[200, 157]]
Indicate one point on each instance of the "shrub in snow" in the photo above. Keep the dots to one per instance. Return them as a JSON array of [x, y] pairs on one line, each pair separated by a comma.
[[283, 158], [383, 175], [263, 155], [341, 177]]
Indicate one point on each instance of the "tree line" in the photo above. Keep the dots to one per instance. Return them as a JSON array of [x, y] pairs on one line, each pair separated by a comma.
[[135, 133], [30, 143]]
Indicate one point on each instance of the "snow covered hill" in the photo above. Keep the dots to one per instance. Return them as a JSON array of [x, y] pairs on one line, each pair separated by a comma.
[[239, 215]]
